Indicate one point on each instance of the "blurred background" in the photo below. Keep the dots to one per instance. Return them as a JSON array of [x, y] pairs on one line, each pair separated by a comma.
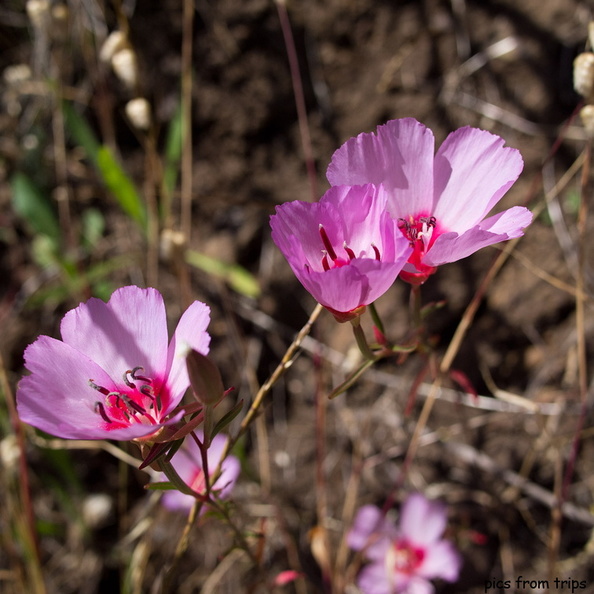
[[148, 142]]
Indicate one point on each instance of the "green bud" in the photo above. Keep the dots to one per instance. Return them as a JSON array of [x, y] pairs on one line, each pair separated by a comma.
[[205, 378]]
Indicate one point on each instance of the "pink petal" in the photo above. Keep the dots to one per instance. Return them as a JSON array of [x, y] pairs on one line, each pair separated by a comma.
[[369, 519], [188, 461], [422, 521], [176, 500], [399, 156], [374, 579], [230, 471], [230, 468], [451, 247], [57, 398], [441, 560], [417, 585], [189, 334], [129, 331], [473, 170], [354, 216], [344, 289]]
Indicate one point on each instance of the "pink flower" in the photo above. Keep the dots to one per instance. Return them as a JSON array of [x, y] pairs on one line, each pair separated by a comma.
[[405, 557], [440, 202], [345, 249], [188, 464], [113, 375]]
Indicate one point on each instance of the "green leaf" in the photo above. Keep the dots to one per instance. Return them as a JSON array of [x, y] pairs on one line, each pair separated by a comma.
[[166, 486], [173, 151], [43, 250], [227, 418], [237, 276], [120, 185], [34, 207], [93, 227], [116, 180], [81, 132]]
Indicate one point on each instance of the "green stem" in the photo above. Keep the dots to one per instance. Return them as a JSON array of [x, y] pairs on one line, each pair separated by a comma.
[[361, 340], [352, 378], [174, 478], [415, 305], [375, 317]]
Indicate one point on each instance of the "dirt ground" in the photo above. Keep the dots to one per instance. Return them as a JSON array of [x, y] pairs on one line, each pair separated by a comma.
[[504, 66]]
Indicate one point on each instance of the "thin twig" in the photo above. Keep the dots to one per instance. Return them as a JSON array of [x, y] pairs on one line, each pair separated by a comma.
[[299, 98]]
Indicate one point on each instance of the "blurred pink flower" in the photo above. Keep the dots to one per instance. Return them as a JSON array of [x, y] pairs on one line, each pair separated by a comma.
[[345, 250], [187, 462], [440, 201], [405, 557], [113, 375]]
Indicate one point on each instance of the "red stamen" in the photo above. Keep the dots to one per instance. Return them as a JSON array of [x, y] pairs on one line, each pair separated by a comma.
[[325, 264], [327, 243], [142, 378], [101, 389], [376, 252], [101, 410], [349, 251]]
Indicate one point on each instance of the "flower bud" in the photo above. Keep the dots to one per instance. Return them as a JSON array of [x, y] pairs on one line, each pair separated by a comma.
[[172, 245], [205, 378], [125, 66], [139, 113], [38, 12], [583, 75], [587, 116], [115, 42]]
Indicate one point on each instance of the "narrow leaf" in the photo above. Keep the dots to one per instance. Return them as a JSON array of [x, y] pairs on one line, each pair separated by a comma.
[[120, 185], [239, 278], [81, 132], [34, 207], [227, 418]]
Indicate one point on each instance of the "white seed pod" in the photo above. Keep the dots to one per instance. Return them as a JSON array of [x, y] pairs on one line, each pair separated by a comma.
[[139, 113], [10, 453], [587, 115], [38, 12], [96, 509], [115, 42], [172, 244], [125, 66], [16, 74], [583, 75]]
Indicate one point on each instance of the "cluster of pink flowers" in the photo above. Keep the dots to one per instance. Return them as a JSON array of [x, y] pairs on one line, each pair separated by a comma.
[[404, 557], [397, 208]]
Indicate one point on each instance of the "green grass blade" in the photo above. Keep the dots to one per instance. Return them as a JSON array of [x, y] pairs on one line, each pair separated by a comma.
[[34, 207], [81, 132], [239, 278], [120, 185]]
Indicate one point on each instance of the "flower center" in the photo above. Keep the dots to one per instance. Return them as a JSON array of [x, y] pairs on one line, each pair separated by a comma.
[[336, 261], [136, 403], [405, 558], [419, 232]]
